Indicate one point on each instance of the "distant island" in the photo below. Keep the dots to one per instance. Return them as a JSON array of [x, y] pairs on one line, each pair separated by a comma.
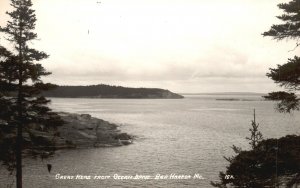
[[107, 91], [226, 93]]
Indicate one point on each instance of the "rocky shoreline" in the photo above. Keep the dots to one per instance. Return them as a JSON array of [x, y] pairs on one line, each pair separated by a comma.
[[83, 131]]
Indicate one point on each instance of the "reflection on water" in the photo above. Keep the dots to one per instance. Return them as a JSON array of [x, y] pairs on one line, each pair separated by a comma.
[[181, 136]]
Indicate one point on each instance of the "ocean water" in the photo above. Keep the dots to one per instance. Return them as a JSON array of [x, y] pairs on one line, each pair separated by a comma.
[[174, 137]]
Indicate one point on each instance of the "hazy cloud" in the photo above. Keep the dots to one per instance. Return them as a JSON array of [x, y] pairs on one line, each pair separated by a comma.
[[183, 45]]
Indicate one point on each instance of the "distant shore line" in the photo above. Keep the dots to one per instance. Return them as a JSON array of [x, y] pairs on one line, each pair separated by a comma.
[[107, 91]]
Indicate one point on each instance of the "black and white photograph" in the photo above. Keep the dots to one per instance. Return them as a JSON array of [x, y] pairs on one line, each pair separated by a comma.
[[149, 93]]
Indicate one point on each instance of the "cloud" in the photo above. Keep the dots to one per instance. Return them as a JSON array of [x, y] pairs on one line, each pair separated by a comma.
[[184, 45]]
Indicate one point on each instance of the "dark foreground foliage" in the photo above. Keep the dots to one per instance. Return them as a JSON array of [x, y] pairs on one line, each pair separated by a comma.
[[271, 163], [287, 102], [24, 114], [288, 74]]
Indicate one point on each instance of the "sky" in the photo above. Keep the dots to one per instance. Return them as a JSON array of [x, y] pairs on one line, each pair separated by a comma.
[[186, 46]]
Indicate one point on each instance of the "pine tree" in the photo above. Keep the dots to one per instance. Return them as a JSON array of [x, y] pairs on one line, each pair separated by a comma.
[[236, 175], [287, 75], [289, 29], [23, 108], [256, 135]]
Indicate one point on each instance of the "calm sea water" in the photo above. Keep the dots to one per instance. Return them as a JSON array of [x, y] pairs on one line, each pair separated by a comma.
[[175, 136]]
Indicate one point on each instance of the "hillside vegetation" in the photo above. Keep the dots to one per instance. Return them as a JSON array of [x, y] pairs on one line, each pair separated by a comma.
[[106, 91]]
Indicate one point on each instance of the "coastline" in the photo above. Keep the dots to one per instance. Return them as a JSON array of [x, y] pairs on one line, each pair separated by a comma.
[[85, 131]]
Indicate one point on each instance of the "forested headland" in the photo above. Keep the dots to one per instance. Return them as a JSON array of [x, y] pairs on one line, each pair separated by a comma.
[[107, 91]]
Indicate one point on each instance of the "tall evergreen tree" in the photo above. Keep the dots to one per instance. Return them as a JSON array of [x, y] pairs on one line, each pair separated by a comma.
[[287, 75], [256, 135], [23, 108]]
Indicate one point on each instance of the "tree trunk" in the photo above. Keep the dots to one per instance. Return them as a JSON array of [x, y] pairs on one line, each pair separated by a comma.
[[20, 120], [19, 156], [19, 137]]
